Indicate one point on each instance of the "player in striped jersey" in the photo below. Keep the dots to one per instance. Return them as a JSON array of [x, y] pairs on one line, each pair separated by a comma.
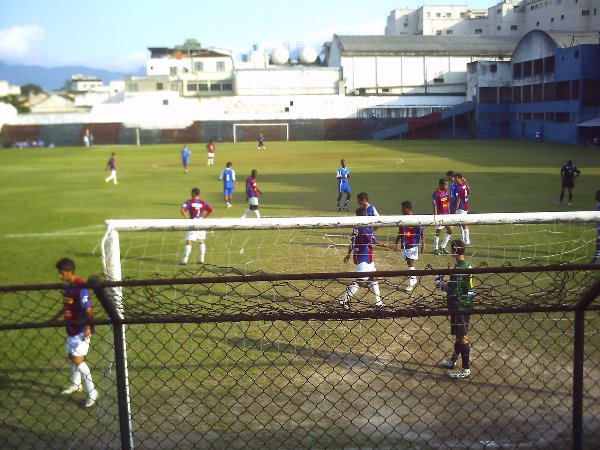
[[409, 238], [462, 205], [441, 206], [252, 193], [361, 250], [195, 209], [597, 252]]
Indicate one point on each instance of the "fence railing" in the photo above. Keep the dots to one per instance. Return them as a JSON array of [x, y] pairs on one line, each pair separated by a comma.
[[274, 362]]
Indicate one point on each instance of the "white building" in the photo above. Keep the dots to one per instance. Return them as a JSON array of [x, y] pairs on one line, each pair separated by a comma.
[[9, 89], [79, 83], [507, 18]]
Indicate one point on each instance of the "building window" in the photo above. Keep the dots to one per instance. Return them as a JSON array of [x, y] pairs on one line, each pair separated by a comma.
[[174, 87], [513, 27], [558, 2], [585, 12], [202, 87], [227, 86], [499, 27], [438, 80], [192, 87], [428, 14], [220, 66], [562, 17], [498, 11], [438, 15], [198, 66], [448, 15], [494, 68], [576, 54], [438, 32], [537, 24], [159, 86], [215, 87], [133, 87], [463, 15], [165, 102], [552, 20], [405, 24], [173, 70], [478, 30], [448, 31]]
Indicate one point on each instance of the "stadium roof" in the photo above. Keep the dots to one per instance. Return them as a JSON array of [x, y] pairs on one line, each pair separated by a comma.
[[571, 39], [590, 123], [430, 45]]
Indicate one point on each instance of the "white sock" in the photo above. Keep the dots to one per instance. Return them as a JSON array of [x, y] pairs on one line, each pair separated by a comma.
[[446, 240], [350, 291], [467, 236], [87, 376], [412, 280], [75, 375], [202, 252], [246, 213], [186, 252], [257, 213], [374, 288], [436, 242]]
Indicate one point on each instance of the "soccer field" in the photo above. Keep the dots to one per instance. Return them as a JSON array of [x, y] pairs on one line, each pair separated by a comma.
[[55, 201]]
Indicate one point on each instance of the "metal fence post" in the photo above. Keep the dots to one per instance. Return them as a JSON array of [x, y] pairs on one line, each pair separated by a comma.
[[578, 359], [118, 337]]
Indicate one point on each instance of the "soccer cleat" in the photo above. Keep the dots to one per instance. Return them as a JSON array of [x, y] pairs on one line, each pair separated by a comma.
[[436, 252], [345, 208], [445, 252], [594, 260], [345, 305], [182, 263], [409, 288], [462, 373], [91, 400], [380, 305], [229, 205], [338, 208], [71, 389], [448, 364], [468, 244]]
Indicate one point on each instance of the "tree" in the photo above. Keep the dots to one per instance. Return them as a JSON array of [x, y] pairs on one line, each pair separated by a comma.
[[188, 45], [28, 89]]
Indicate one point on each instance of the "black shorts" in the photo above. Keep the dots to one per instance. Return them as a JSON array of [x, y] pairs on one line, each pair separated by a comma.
[[568, 183], [459, 324]]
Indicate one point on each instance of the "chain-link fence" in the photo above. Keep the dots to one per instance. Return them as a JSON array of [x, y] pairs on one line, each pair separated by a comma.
[[274, 362]]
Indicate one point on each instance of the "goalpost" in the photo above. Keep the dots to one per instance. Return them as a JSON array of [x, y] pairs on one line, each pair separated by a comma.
[[272, 131]]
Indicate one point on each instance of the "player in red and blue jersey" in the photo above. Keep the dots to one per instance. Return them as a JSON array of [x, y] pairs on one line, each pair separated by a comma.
[[111, 166], [195, 209], [343, 173], [210, 150], [462, 205], [410, 237], [228, 178], [77, 309], [440, 207], [252, 193], [261, 142], [361, 250], [597, 252]]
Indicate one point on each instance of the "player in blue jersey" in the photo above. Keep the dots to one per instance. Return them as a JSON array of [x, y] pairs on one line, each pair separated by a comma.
[[459, 296], [111, 166], [185, 157], [195, 209], [343, 173], [362, 198], [77, 310], [410, 237], [452, 191], [597, 252], [228, 178], [261, 142], [361, 250]]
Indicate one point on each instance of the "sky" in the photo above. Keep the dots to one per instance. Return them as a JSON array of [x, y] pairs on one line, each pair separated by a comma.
[[115, 34]]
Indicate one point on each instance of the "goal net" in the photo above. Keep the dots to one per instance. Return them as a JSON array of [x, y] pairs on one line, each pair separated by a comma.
[[244, 132]]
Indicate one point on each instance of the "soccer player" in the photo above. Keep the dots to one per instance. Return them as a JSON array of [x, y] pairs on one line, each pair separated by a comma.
[[363, 200], [343, 173], [568, 173], [111, 165], [597, 252], [361, 250], [195, 209], [409, 238], [459, 296], [77, 308], [462, 205], [440, 206], [185, 157], [261, 142], [228, 178], [210, 149], [452, 191], [252, 193]]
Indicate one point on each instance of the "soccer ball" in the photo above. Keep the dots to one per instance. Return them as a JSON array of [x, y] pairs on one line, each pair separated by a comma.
[[439, 279]]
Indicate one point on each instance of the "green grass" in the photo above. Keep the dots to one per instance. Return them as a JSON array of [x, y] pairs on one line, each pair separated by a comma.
[[54, 201], [54, 204]]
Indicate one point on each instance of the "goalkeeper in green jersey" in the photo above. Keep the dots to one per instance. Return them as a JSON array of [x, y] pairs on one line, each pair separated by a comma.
[[459, 292]]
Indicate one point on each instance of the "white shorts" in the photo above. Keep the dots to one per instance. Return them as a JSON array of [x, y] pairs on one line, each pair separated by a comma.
[[462, 211], [411, 253], [77, 345], [365, 267], [253, 201], [195, 235], [211, 155]]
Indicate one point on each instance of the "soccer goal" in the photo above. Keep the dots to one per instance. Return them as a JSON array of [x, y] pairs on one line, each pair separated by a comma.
[[243, 132]]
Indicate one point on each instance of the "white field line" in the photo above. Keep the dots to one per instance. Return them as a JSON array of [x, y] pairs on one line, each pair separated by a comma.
[[95, 229]]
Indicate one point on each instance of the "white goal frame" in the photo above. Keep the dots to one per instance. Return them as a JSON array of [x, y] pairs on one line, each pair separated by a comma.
[[283, 124]]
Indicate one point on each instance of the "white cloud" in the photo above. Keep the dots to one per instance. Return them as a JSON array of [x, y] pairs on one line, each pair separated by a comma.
[[18, 44]]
